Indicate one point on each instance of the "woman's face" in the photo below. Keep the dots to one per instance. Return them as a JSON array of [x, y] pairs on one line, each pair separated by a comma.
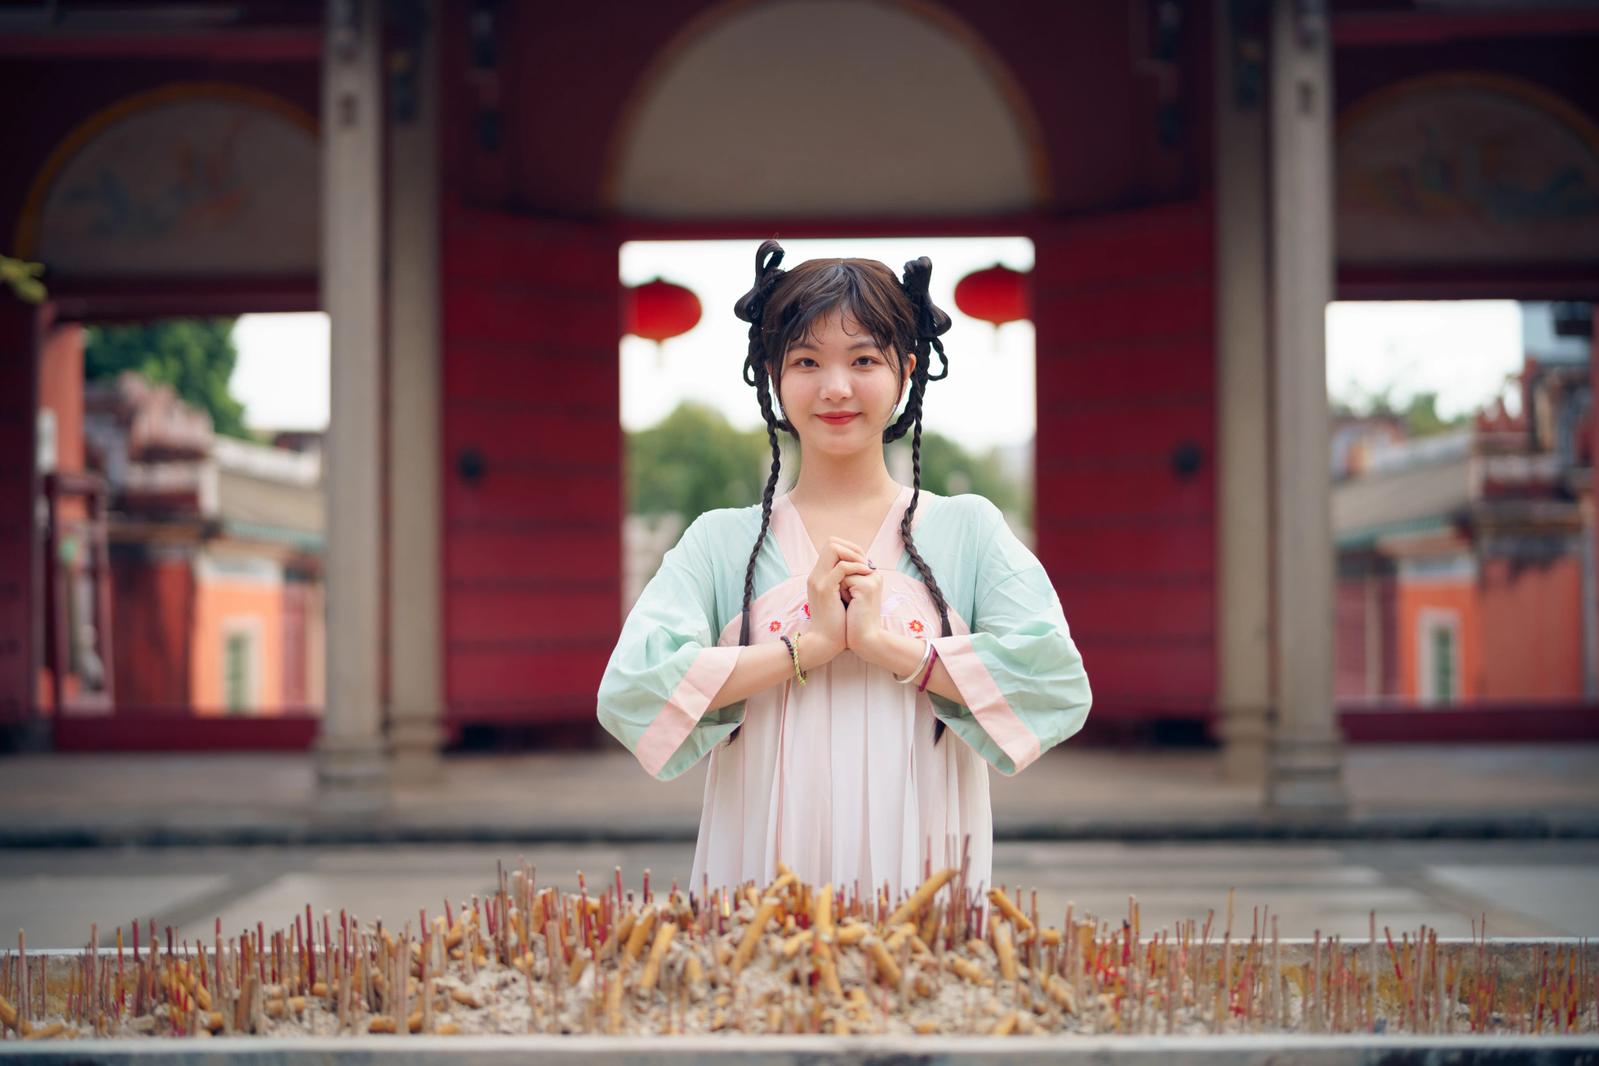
[[840, 372]]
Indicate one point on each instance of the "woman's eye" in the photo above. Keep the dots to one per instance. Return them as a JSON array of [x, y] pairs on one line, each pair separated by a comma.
[[806, 360]]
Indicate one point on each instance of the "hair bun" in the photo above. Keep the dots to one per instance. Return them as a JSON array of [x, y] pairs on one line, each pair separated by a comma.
[[930, 320], [752, 303]]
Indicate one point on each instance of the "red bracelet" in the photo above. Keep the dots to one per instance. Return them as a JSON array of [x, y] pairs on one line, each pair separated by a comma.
[[931, 659]]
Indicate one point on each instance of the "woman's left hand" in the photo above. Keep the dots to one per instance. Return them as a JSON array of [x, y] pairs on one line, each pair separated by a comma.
[[863, 619]]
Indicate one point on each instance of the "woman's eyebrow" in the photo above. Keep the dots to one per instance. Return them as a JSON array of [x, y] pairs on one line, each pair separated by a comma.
[[858, 344]]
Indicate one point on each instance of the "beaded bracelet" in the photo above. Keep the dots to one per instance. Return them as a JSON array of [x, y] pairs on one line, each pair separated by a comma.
[[793, 653]]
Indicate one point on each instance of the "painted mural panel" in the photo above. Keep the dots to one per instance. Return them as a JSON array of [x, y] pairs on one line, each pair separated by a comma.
[[193, 179], [1467, 168]]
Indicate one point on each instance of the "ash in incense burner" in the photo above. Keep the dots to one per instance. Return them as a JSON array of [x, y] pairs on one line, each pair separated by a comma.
[[788, 958]]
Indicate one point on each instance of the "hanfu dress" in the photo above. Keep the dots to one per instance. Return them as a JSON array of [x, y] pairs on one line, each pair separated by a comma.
[[840, 777]]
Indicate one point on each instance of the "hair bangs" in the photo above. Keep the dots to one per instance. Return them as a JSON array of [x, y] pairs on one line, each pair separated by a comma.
[[864, 291]]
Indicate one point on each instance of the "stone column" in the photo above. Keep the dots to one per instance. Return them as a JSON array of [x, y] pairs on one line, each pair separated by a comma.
[[1306, 757], [1243, 563], [351, 761], [416, 638]]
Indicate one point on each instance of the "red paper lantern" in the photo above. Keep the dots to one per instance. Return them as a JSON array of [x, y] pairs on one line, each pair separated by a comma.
[[659, 310], [997, 294]]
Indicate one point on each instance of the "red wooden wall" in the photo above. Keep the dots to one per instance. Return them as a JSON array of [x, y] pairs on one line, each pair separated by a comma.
[[1124, 308], [18, 490], [532, 466]]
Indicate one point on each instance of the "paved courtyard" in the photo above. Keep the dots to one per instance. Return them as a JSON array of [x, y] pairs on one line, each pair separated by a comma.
[[1524, 888], [1433, 834], [1072, 792]]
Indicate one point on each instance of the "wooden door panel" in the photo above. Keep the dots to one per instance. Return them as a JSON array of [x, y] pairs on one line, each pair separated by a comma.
[[1126, 480], [532, 466]]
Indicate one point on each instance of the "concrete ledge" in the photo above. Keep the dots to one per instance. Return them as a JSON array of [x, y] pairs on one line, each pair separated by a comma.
[[390, 830], [1264, 1050]]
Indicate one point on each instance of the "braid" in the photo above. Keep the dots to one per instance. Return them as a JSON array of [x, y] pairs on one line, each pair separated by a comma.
[[766, 521], [913, 404], [766, 505], [752, 308], [930, 323], [910, 545]]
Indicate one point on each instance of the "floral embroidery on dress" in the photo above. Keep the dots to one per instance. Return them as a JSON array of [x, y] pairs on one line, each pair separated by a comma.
[[916, 625], [774, 626], [807, 609]]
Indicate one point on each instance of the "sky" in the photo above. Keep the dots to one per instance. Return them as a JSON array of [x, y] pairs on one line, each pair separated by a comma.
[[1462, 350], [282, 373]]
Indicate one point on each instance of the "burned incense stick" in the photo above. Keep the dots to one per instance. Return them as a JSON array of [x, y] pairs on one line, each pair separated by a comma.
[[945, 957]]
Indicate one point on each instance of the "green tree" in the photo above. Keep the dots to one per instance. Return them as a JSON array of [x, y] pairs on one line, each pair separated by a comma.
[[949, 470], [693, 461], [1419, 413], [1422, 418], [22, 277], [194, 355]]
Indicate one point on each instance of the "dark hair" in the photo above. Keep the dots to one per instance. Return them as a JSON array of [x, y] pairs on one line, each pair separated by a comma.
[[785, 307]]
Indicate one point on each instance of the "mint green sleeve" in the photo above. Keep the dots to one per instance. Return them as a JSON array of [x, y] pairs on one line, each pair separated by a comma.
[[1021, 678], [666, 666]]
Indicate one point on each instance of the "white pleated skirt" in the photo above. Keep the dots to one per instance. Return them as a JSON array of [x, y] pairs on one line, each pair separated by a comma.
[[839, 778]]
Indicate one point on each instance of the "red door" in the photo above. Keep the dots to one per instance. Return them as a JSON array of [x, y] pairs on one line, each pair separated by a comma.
[[1126, 476], [532, 467]]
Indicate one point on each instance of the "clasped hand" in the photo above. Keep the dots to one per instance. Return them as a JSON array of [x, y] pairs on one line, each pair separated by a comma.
[[846, 598]]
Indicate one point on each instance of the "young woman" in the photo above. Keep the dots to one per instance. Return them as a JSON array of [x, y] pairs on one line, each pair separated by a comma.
[[821, 668]]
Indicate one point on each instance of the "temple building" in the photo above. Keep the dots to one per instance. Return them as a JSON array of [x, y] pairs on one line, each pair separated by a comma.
[[451, 181]]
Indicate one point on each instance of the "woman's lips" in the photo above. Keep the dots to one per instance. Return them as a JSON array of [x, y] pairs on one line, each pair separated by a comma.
[[838, 420]]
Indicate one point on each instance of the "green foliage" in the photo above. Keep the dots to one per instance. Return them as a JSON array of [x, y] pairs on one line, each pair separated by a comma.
[[23, 279], [949, 470], [1422, 417], [694, 461], [195, 356], [1419, 414]]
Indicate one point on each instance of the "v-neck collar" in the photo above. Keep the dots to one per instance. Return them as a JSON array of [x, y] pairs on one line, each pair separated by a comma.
[[800, 553]]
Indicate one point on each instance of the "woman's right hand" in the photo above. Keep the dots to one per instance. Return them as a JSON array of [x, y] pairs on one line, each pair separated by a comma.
[[837, 561]]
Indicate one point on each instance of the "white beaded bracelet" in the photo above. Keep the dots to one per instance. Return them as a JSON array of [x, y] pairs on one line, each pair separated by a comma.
[[927, 652]]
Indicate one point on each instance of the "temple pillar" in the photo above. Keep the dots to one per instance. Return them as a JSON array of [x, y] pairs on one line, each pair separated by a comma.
[[1243, 563], [351, 760], [1305, 762], [415, 614]]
